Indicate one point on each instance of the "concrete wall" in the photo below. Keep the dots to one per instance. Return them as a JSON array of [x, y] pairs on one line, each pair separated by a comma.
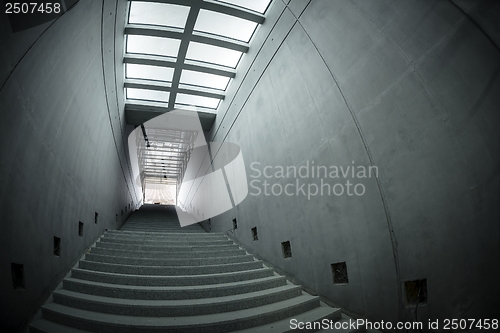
[[62, 150], [411, 87]]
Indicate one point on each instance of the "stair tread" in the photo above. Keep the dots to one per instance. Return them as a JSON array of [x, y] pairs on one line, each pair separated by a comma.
[[238, 264], [178, 254], [179, 322], [173, 261], [283, 325], [201, 288], [44, 325], [175, 303], [176, 276]]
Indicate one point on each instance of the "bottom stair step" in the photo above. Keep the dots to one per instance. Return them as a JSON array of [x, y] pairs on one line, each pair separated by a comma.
[[46, 326], [319, 314], [217, 323]]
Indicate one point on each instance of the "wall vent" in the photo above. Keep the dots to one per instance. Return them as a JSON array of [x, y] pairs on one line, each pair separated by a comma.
[[416, 292], [80, 228], [17, 271], [254, 234], [287, 249], [57, 246], [339, 273]]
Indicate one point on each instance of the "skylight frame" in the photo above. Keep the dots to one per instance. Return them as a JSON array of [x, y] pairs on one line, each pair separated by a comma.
[[180, 62], [247, 8]]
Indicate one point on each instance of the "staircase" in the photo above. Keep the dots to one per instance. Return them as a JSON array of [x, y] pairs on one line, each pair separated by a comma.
[[154, 276]]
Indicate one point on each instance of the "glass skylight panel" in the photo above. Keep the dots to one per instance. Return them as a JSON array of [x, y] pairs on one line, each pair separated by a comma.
[[153, 45], [158, 14], [207, 102], [213, 54], [149, 95], [255, 5], [147, 72], [224, 25], [204, 79]]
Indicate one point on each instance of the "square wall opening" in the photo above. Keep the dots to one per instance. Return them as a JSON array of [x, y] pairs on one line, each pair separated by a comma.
[[339, 273], [416, 291], [286, 248], [254, 234], [18, 281], [57, 246]]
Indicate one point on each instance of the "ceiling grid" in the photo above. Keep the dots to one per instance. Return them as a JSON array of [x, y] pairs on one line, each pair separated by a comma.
[[182, 54]]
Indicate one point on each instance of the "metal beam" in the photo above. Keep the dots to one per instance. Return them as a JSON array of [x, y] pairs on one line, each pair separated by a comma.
[[167, 86], [177, 33], [223, 8], [181, 55], [192, 65]]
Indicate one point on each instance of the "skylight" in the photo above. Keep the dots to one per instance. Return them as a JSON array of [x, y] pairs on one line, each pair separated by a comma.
[[207, 102], [153, 45], [147, 94], [213, 54], [204, 79], [174, 51], [181, 57], [225, 25], [158, 14], [147, 72]]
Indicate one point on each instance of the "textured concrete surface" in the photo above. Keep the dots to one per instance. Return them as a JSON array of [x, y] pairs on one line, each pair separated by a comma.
[[411, 87], [408, 86], [61, 148]]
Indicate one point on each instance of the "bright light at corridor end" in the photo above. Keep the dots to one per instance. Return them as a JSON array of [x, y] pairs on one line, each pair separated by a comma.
[[170, 150]]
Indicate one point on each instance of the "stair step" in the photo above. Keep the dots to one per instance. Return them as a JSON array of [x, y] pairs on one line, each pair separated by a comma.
[[318, 314], [159, 233], [155, 276], [166, 248], [120, 233], [164, 228], [218, 322], [182, 280], [172, 292], [175, 242], [168, 262], [163, 255], [175, 308], [168, 270], [46, 326]]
